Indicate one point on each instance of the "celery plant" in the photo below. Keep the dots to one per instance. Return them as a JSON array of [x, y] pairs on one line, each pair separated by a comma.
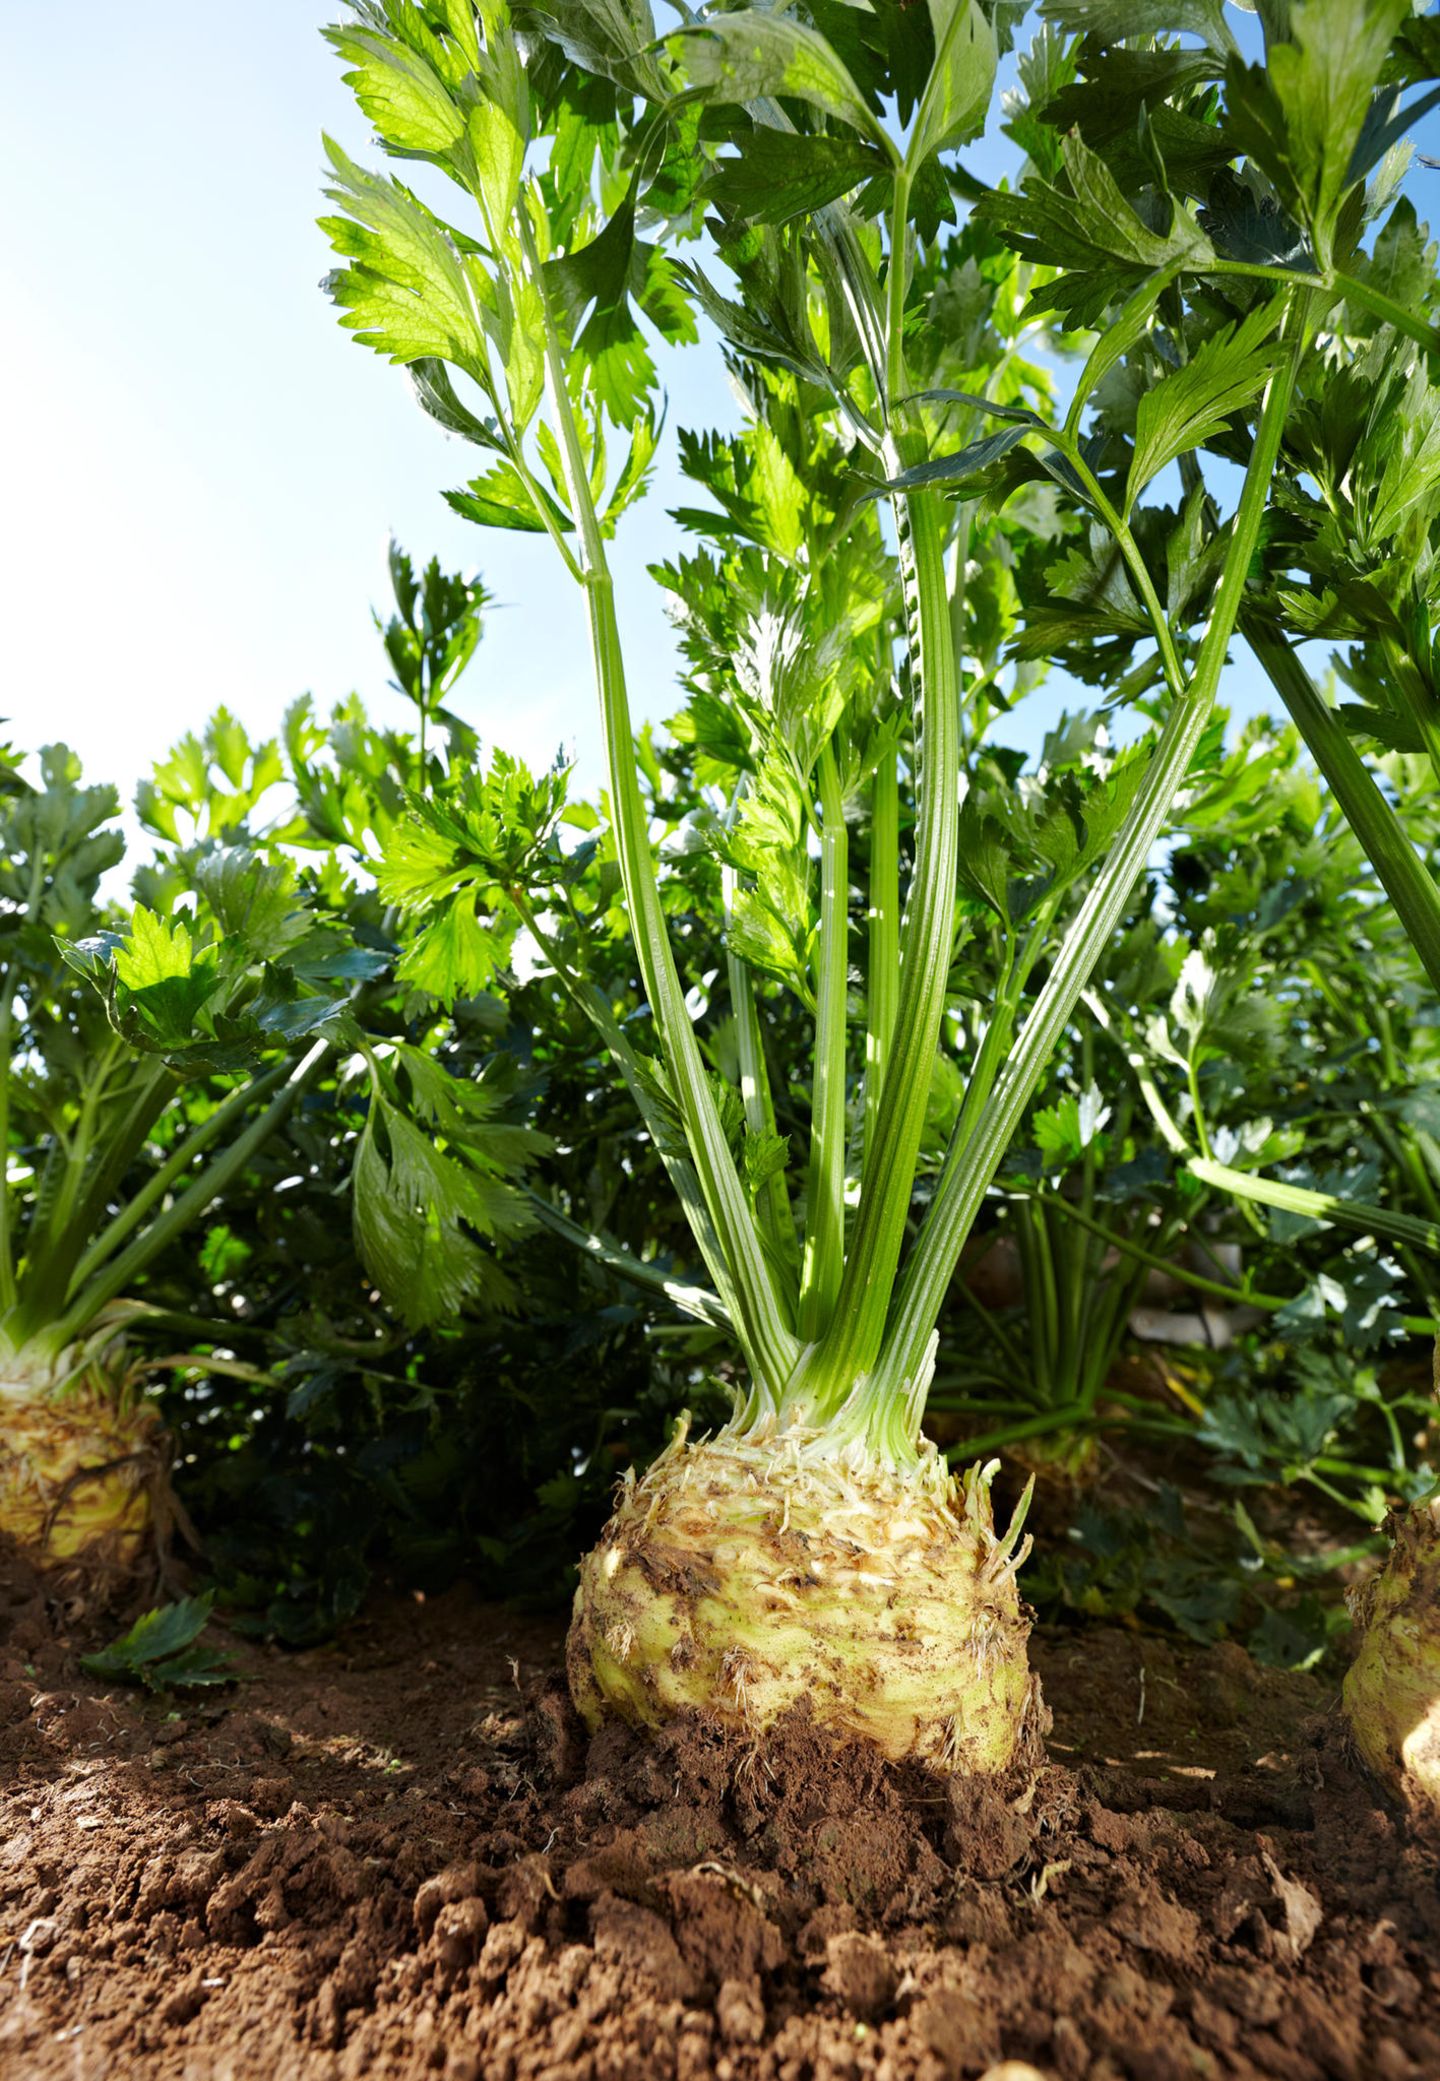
[[435, 1161], [816, 1548], [1351, 557], [129, 1102], [1361, 467]]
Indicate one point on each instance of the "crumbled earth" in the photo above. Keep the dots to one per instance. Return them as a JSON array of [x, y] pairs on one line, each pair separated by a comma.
[[401, 1857]]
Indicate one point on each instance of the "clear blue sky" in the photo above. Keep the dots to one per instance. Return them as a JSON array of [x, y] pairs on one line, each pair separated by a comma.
[[201, 470]]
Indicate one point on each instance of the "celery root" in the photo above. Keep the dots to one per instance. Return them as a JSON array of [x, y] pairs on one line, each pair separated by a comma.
[[753, 1571], [1392, 1688], [81, 1474]]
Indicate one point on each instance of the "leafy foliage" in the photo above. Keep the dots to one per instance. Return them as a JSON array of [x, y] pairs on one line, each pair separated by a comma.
[[813, 963], [850, 850], [431, 1173], [162, 1651]]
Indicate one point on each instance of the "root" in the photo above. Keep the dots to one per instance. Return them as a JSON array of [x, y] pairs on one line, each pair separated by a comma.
[[750, 1573], [85, 1490], [1392, 1689]]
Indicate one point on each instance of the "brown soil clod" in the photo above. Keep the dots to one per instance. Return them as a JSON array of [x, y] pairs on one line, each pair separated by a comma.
[[384, 1860]]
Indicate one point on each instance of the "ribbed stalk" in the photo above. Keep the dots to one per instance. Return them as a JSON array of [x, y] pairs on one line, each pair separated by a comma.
[[825, 1189], [882, 983], [7, 1259], [680, 1171], [1357, 1215], [968, 1173], [1402, 873], [68, 1233], [159, 1183], [9, 1290], [770, 1348], [853, 1340], [145, 1247], [777, 1221], [690, 1300], [1421, 704], [61, 1221]]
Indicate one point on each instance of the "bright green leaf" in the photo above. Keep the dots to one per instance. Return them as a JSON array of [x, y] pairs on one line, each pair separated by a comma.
[[1185, 410], [406, 292], [957, 93], [399, 92]]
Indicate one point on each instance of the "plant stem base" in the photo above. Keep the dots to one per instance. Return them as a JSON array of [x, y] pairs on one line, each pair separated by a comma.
[[746, 1574], [1392, 1689], [79, 1478]]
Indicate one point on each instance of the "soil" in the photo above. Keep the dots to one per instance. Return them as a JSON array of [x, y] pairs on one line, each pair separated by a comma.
[[401, 1857]]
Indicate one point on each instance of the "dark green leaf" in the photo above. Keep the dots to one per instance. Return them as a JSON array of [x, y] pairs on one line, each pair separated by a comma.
[[437, 395], [1187, 409], [1110, 21], [1089, 230], [958, 468], [779, 174], [159, 1650], [764, 1157]]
